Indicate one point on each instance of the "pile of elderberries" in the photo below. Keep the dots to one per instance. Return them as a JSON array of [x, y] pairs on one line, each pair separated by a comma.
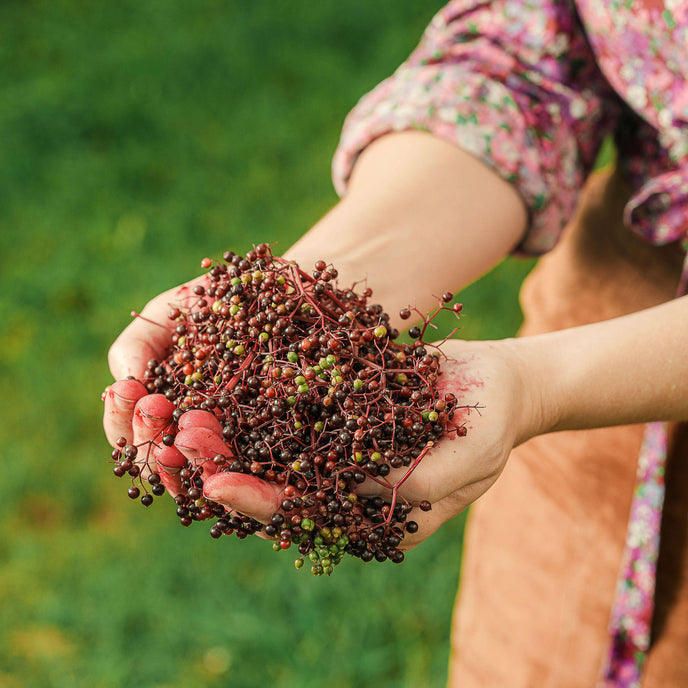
[[311, 393]]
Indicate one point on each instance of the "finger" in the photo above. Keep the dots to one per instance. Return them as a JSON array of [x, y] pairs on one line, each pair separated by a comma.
[[152, 414], [172, 483], [245, 494], [200, 419], [209, 468], [120, 400], [199, 443], [169, 459], [149, 336]]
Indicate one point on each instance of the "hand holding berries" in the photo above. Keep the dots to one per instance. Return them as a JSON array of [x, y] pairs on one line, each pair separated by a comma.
[[286, 400]]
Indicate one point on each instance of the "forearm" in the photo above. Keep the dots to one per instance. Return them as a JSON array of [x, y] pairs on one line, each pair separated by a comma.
[[630, 369], [420, 217]]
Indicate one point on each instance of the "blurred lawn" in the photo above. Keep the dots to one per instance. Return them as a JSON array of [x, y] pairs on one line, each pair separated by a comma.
[[138, 137]]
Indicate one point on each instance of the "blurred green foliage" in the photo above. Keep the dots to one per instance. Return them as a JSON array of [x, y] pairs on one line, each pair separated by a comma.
[[138, 137]]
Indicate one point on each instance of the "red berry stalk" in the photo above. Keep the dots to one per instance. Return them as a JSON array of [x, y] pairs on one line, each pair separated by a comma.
[[312, 393]]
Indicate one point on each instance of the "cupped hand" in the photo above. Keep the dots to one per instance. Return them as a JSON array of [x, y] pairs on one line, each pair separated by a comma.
[[498, 410]]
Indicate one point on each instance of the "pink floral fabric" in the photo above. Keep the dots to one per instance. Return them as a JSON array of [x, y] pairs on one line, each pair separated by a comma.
[[532, 88], [632, 611]]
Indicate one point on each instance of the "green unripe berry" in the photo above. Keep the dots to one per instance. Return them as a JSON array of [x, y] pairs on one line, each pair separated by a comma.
[[380, 331], [298, 563], [292, 357]]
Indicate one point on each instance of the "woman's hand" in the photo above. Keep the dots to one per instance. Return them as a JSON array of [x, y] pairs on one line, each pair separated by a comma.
[[498, 408], [496, 412]]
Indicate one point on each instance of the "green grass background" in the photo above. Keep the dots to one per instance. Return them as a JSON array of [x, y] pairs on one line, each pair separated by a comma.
[[136, 138]]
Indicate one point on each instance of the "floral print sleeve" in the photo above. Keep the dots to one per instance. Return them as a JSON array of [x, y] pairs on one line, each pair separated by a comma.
[[518, 84], [516, 87]]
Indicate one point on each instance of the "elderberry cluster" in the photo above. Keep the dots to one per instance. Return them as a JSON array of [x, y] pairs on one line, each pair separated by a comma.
[[311, 393]]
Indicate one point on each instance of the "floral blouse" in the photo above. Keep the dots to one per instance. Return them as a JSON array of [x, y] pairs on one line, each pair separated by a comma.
[[532, 88]]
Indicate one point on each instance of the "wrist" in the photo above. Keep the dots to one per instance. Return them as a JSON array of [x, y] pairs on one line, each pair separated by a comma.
[[537, 403]]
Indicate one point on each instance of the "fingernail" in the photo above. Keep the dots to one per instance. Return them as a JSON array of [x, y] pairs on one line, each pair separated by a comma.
[[122, 401], [210, 493], [152, 422], [187, 450]]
